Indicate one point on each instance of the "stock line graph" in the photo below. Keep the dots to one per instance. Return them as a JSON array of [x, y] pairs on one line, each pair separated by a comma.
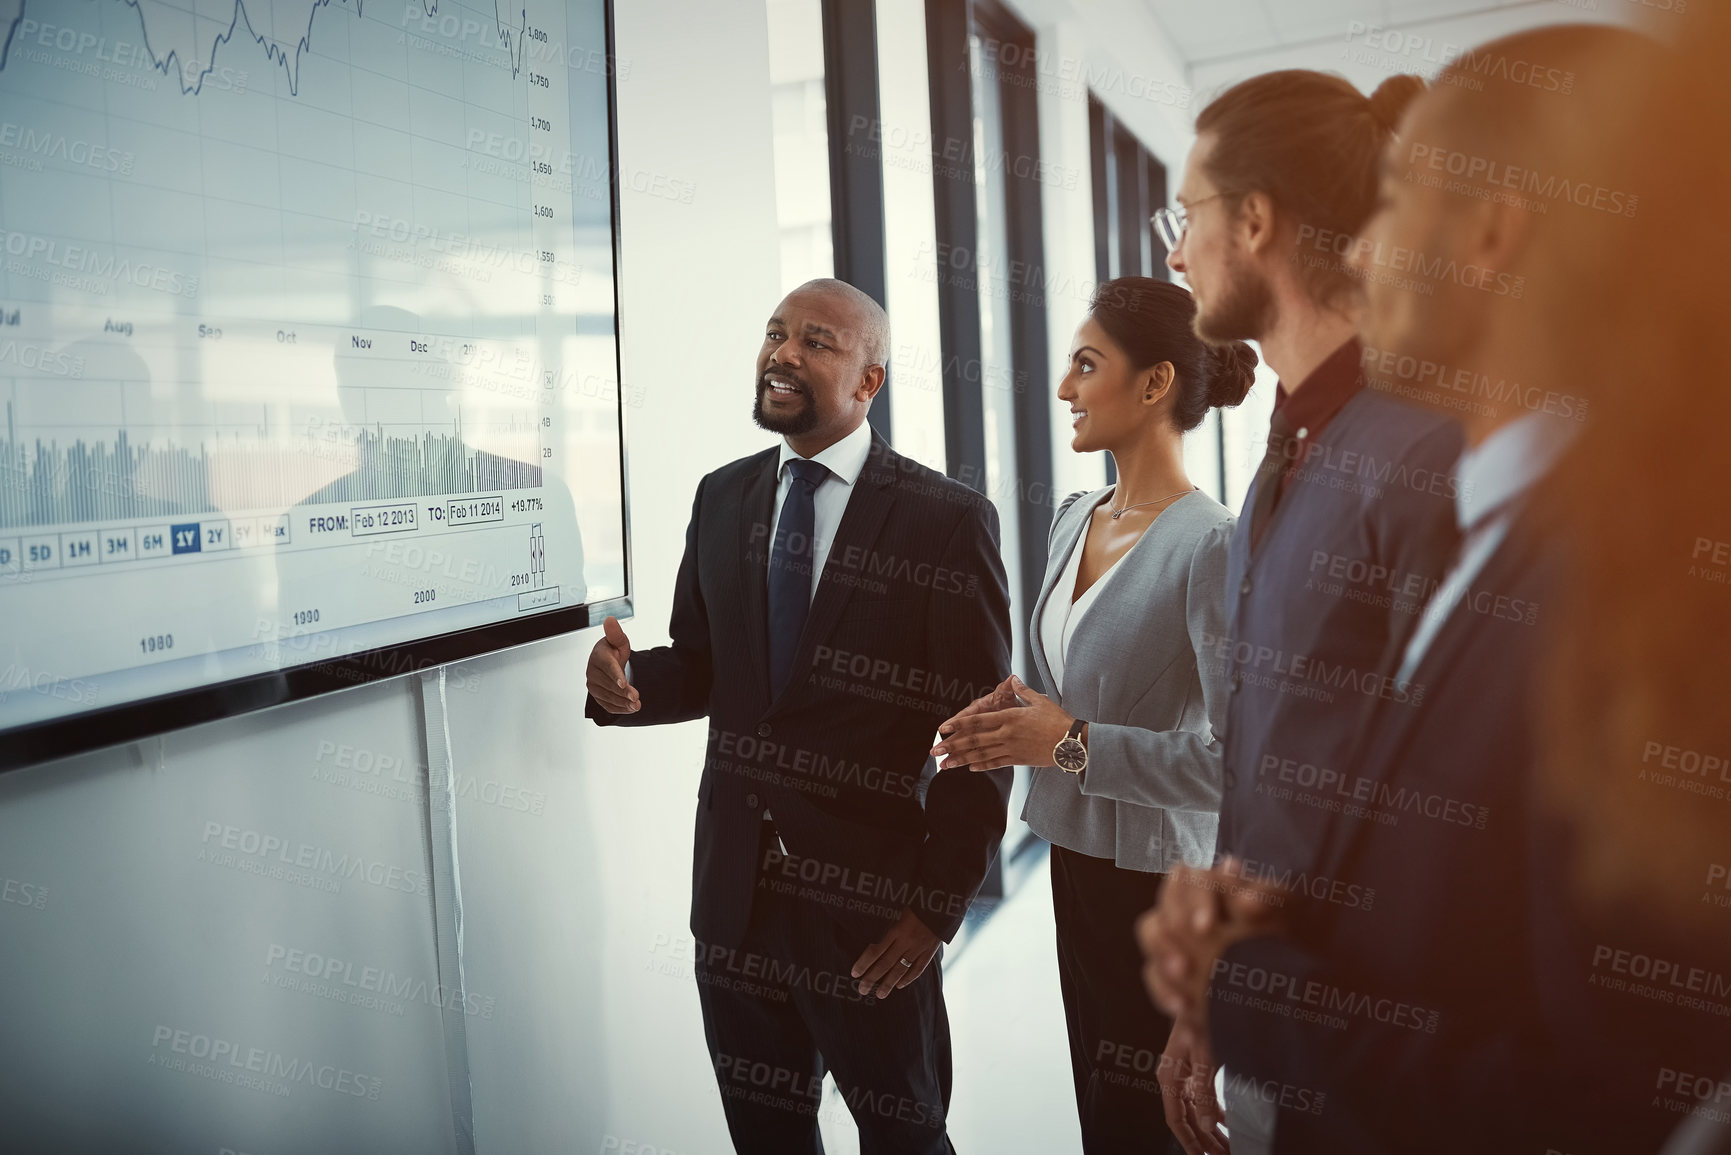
[[281, 350], [54, 482], [513, 37]]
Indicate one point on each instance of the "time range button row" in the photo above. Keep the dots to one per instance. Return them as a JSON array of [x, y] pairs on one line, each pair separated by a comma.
[[86, 547]]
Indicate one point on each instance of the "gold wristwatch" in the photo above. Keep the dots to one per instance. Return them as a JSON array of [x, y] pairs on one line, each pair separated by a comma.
[[1069, 754]]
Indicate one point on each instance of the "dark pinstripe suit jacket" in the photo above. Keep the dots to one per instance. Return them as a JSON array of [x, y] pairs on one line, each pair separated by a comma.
[[909, 623]]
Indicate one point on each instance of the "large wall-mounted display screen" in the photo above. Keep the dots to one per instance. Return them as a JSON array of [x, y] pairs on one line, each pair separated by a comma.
[[308, 349]]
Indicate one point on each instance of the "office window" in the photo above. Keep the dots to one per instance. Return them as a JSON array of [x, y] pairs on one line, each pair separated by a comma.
[[997, 367], [798, 120], [1129, 188], [989, 262], [856, 166], [905, 144]]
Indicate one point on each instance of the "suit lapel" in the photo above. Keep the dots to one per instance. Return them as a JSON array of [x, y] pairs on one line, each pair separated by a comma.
[[1252, 551], [755, 511], [867, 508], [1069, 532], [1389, 726]]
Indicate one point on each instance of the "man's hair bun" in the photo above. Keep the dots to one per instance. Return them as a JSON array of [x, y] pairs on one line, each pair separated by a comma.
[[1390, 100]]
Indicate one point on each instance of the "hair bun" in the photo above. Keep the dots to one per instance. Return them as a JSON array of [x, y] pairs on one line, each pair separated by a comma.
[[1389, 102], [1233, 372]]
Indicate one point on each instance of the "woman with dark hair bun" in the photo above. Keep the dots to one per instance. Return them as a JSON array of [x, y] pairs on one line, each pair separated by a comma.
[[1127, 634]]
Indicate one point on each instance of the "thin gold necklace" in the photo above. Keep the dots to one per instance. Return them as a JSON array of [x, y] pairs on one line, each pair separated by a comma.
[[1117, 513]]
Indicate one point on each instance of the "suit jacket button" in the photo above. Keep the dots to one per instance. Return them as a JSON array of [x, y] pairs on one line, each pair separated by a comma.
[[763, 729], [1235, 681], [1244, 588], [751, 801]]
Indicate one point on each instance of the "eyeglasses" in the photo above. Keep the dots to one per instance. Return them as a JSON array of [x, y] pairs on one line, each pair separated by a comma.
[[1170, 225]]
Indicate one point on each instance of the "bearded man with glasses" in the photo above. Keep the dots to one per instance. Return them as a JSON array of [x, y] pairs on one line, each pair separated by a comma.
[[1345, 531]]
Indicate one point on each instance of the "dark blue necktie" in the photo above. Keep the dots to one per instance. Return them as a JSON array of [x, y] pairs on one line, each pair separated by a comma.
[[790, 571]]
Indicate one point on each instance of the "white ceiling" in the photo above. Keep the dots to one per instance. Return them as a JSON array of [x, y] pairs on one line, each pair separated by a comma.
[[1217, 32]]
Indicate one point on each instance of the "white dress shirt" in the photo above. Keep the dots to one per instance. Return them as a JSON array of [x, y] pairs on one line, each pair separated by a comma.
[[845, 459], [1489, 477], [1061, 616]]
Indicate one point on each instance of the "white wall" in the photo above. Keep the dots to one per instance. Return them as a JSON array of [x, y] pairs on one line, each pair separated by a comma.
[[573, 912]]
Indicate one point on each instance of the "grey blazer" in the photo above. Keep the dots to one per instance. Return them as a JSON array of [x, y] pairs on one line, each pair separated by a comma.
[[1143, 672]]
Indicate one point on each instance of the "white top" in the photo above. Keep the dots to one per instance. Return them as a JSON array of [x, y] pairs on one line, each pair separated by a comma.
[[1489, 476], [845, 459], [1061, 618]]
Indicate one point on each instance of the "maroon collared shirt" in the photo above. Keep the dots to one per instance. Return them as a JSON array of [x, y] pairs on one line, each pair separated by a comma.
[[1309, 408]]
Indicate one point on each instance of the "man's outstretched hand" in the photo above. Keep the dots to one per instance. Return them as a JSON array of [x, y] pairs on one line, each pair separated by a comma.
[[607, 684]]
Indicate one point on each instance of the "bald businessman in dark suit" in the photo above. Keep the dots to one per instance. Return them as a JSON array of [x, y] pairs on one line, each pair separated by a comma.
[[831, 862]]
